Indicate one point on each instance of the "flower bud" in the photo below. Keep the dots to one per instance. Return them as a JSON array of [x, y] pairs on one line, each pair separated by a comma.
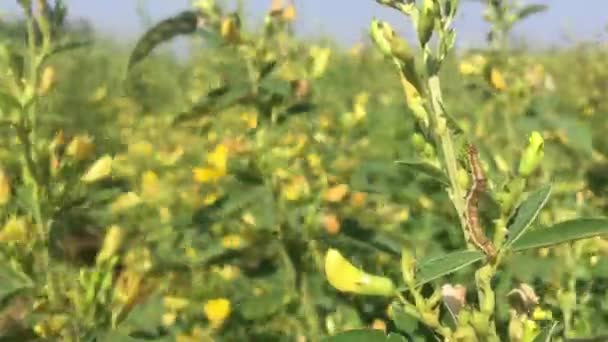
[[345, 277], [382, 34], [426, 22], [408, 266], [532, 155], [111, 243]]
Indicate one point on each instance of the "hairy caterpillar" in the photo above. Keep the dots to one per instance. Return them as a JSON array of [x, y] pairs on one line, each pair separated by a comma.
[[476, 233]]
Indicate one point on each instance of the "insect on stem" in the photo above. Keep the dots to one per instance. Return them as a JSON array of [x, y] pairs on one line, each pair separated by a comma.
[[476, 233]]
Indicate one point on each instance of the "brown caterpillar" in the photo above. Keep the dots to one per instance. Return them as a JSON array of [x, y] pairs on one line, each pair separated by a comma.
[[476, 233]]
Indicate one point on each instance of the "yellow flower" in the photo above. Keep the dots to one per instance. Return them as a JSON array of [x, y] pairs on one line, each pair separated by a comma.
[[497, 80], [251, 119], [336, 193], [379, 324], [230, 29], [472, 65], [248, 218], [289, 12], [125, 201], [357, 199], [296, 189], [218, 166], [150, 185], [99, 170], [111, 243], [5, 187], [320, 57], [359, 111], [467, 68], [217, 310], [232, 241], [46, 80], [314, 161], [81, 147], [331, 222], [206, 175], [345, 277], [15, 230]]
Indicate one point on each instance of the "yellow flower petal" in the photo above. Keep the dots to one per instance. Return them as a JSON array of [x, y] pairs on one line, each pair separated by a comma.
[[217, 310], [99, 170], [336, 193], [345, 277]]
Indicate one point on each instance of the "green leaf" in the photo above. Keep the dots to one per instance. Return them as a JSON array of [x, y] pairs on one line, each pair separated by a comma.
[[530, 10], [403, 321], [445, 264], [11, 279], [276, 86], [359, 335], [566, 231], [392, 337], [427, 169], [267, 69], [145, 317], [547, 333], [65, 47], [120, 336], [183, 23], [526, 214]]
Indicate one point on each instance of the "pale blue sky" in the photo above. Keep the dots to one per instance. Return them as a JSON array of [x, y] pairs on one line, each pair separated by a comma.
[[347, 20]]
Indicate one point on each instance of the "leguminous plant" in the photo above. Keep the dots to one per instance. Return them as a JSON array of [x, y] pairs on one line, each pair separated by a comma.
[[267, 187]]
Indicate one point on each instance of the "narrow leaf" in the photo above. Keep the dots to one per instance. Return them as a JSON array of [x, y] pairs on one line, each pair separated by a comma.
[[566, 231], [530, 10], [526, 213], [427, 169], [11, 280], [446, 264], [183, 23], [65, 47]]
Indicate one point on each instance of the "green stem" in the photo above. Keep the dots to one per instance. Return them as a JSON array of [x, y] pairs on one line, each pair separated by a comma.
[[456, 193], [309, 311]]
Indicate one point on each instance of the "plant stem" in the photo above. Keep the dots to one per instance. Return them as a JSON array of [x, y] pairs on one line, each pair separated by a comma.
[[455, 192]]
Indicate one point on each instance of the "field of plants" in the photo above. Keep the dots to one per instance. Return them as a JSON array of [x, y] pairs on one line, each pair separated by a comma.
[[271, 188]]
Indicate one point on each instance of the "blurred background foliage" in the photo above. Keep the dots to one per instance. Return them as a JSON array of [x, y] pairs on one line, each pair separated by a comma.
[[227, 206]]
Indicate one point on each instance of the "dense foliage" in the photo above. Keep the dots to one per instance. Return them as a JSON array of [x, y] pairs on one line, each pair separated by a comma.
[[239, 194]]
